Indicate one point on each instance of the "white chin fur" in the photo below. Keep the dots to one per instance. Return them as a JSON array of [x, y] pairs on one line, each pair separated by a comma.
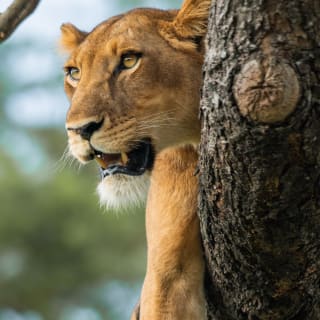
[[122, 192]]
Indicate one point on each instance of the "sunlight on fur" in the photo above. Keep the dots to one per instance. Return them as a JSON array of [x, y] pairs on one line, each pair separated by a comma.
[[122, 192]]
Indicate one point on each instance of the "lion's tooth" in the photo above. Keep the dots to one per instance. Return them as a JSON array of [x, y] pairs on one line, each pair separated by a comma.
[[124, 157], [101, 162]]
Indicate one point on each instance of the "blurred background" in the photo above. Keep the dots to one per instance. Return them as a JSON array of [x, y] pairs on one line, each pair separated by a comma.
[[62, 257]]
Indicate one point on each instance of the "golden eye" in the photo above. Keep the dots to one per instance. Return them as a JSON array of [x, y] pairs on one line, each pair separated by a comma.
[[73, 74], [129, 60]]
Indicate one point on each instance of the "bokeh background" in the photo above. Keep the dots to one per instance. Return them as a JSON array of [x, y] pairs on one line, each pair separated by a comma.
[[62, 257]]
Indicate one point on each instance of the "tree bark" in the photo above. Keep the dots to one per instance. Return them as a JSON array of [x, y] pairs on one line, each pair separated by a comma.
[[18, 11], [259, 202]]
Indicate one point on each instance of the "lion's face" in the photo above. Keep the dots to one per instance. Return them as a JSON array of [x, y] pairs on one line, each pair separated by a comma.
[[134, 86]]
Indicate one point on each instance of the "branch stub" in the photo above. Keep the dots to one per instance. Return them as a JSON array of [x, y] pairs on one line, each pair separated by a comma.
[[267, 90]]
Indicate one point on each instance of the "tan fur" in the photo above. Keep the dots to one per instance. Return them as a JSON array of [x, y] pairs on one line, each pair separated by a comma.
[[158, 98], [173, 287], [72, 37]]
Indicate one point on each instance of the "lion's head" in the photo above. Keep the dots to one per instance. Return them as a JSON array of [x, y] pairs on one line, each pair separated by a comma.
[[133, 83]]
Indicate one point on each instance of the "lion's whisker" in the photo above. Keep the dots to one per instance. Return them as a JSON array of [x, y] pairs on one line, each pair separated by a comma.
[[64, 160]]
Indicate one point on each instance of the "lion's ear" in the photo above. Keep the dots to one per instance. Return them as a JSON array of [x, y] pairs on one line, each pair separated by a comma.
[[71, 37], [192, 19], [189, 26]]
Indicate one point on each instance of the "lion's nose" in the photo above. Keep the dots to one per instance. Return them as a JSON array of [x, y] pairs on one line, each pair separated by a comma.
[[87, 130]]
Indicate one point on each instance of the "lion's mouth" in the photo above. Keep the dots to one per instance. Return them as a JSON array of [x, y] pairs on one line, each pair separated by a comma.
[[132, 163]]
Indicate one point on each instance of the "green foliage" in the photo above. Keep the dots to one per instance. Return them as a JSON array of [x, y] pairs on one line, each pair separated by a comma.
[[54, 240]]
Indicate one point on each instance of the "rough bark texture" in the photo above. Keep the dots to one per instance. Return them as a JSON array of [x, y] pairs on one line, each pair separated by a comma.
[[260, 160], [14, 15]]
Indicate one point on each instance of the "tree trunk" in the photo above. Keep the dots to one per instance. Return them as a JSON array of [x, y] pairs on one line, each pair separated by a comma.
[[260, 160]]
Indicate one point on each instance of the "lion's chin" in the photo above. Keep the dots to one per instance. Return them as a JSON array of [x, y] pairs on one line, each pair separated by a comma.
[[123, 192]]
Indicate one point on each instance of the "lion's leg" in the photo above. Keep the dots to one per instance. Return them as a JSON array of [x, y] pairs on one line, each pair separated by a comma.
[[173, 287]]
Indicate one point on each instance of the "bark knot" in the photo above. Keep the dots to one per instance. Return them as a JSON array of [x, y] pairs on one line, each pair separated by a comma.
[[267, 90]]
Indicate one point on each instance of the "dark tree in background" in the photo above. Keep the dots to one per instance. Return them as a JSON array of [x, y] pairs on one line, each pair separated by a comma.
[[260, 160]]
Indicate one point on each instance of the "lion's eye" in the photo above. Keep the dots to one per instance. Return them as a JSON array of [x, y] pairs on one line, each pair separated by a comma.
[[129, 60], [73, 74]]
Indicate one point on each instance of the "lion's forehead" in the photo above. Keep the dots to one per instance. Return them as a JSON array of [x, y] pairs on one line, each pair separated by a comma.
[[105, 44], [118, 31]]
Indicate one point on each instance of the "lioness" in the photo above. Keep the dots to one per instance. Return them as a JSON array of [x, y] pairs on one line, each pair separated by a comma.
[[133, 83]]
